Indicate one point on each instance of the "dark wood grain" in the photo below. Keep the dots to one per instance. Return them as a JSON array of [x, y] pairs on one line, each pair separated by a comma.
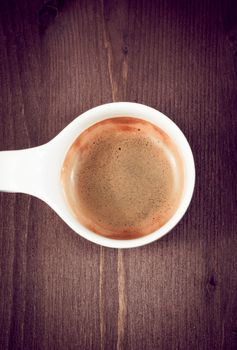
[[60, 58]]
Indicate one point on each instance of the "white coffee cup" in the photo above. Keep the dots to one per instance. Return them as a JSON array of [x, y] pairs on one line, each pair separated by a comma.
[[37, 171]]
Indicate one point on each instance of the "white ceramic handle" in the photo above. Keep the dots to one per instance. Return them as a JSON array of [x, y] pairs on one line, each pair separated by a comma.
[[22, 171]]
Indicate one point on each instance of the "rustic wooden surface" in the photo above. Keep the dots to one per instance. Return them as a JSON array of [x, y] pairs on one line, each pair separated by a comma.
[[60, 58]]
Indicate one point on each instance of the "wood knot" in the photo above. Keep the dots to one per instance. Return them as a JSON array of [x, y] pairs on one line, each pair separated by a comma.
[[212, 282], [48, 12], [211, 285], [234, 331], [125, 49]]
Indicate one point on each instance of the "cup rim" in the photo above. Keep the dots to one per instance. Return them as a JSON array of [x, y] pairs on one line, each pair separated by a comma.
[[137, 110]]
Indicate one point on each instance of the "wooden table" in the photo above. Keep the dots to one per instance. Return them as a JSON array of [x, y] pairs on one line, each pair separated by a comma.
[[60, 58]]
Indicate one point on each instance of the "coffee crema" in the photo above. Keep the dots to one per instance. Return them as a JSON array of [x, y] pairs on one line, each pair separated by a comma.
[[123, 178]]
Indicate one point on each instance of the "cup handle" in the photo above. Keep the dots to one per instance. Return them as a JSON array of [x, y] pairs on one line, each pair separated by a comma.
[[22, 171]]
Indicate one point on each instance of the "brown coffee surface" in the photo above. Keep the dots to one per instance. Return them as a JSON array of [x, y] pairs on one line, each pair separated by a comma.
[[123, 178]]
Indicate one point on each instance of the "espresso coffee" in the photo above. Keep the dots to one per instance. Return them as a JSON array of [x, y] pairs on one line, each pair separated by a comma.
[[123, 178]]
